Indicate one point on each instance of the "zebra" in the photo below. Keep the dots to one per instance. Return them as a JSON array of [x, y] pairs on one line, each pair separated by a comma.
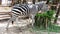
[[26, 10]]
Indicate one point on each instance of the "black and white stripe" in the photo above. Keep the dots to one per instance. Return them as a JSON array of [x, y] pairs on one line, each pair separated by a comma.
[[25, 9], [20, 10]]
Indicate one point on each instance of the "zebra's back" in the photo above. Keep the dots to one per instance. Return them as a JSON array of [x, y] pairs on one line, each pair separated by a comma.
[[20, 10]]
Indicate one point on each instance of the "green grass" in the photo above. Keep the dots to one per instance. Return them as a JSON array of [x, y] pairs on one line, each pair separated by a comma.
[[54, 28], [51, 28]]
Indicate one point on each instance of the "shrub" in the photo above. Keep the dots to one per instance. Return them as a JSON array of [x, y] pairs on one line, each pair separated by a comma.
[[44, 18]]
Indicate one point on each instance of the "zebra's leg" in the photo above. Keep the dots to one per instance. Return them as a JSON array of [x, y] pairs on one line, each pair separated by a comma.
[[8, 23], [10, 20], [33, 20], [17, 21]]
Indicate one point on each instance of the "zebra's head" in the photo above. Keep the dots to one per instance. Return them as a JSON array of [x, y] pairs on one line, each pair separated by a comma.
[[42, 6]]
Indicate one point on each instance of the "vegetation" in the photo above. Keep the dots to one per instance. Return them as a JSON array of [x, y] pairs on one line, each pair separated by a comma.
[[51, 28], [43, 22], [44, 18]]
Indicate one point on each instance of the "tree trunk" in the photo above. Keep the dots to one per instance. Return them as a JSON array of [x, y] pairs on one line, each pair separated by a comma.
[[33, 1], [39, 0], [24, 1], [0, 2], [57, 14], [47, 2], [55, 2]]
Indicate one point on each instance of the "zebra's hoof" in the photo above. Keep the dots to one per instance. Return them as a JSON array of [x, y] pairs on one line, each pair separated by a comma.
[[6, 28]]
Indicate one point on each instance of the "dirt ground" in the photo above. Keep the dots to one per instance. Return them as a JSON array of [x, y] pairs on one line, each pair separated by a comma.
[[23, 28]]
